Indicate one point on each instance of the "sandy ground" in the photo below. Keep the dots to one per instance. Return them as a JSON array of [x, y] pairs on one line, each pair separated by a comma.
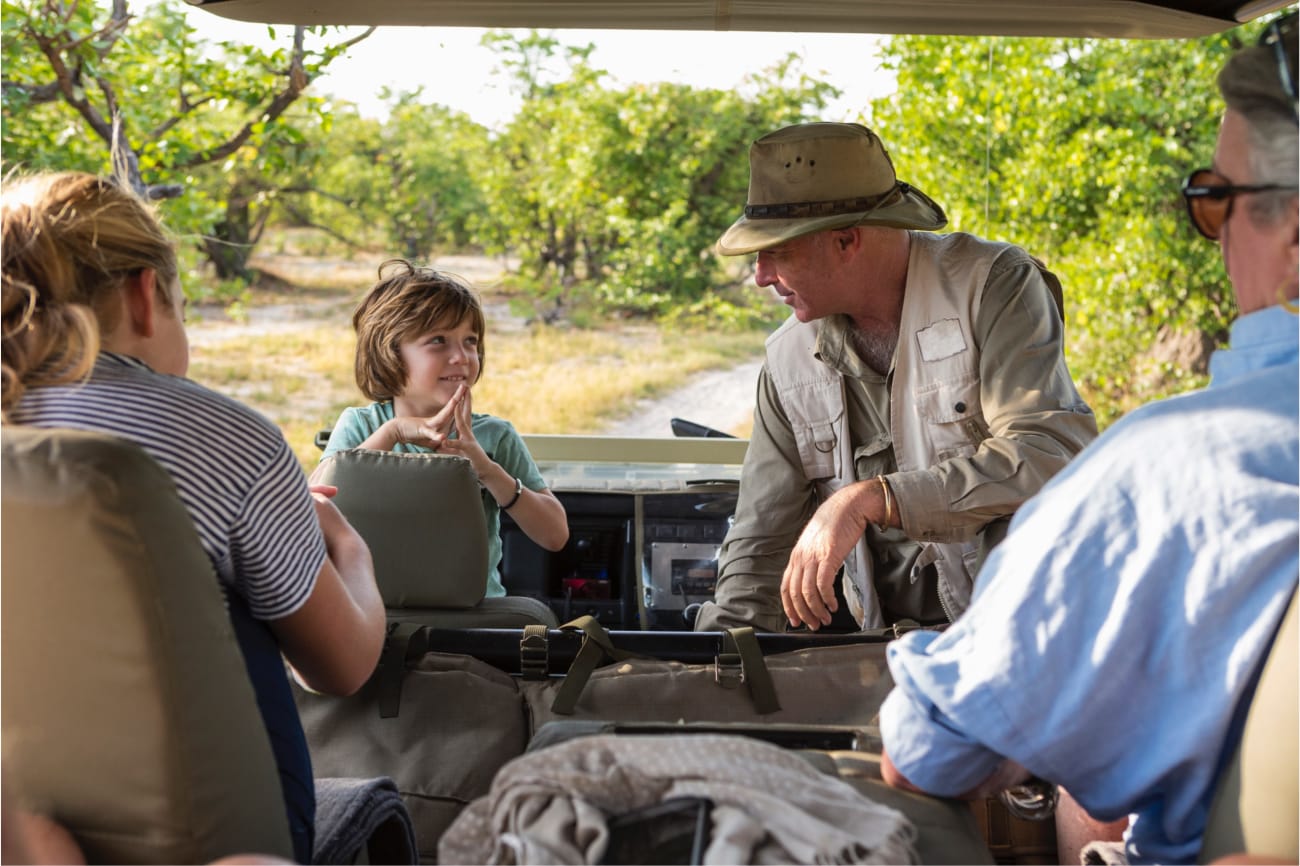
[[721, 399]]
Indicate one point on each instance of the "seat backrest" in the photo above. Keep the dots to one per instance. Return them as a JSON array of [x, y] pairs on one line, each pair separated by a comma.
[[422, 517], [1258, 797], [128, 713]]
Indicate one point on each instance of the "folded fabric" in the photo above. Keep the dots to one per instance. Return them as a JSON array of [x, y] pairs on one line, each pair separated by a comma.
[[769, 805], [356, 815]]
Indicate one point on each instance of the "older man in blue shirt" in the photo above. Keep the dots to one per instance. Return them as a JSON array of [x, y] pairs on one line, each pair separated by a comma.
[[1116, 636]]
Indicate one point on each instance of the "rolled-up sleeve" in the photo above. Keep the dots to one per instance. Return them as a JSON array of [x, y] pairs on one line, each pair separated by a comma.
[[920, 740], [775, 502], [1036, 420]]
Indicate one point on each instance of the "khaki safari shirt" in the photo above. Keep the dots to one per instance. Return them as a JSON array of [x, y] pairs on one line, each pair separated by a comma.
[[1036, 421]]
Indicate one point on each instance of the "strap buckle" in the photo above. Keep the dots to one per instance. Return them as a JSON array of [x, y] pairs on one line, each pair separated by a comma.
[[728, 670], [534, 653]]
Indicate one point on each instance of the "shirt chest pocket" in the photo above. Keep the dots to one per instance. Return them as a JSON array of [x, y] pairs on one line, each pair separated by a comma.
[[816, 414], [953, 417]]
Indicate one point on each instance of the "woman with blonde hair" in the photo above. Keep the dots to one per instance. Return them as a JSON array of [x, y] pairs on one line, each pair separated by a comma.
[[94, 339]]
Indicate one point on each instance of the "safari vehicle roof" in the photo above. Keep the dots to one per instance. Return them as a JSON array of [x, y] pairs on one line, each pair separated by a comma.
[[1094, 18]]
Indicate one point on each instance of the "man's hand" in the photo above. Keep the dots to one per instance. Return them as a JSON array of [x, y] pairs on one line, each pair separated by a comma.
[[808, 585]]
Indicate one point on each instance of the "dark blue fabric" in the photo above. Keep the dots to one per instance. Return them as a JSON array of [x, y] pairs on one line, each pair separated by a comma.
[[280, 715]]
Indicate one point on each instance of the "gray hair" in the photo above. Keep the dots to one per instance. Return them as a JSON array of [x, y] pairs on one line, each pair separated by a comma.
[[1251, 86]]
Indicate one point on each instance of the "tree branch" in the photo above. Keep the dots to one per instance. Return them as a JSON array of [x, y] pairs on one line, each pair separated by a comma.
[[298, 79], [303, 219], [37, 94]]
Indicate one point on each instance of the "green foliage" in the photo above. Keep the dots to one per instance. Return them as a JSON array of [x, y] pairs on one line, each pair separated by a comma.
[[727, 314], [1075, 150], [617, 196], [415, 176], [225, 125]]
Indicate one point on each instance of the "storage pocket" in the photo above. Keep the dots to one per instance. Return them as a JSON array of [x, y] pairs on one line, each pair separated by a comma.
[[954, 416], [816, 413]]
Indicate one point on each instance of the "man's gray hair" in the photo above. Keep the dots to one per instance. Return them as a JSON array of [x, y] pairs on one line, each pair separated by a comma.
[[1252, 87]]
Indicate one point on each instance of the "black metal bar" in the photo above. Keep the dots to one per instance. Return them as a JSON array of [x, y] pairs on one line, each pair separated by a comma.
[[499, 647]]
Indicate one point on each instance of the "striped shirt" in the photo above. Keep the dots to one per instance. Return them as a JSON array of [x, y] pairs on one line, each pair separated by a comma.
[[234, 472]]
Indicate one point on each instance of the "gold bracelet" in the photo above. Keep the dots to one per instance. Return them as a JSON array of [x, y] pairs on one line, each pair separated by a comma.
[[889, 502]]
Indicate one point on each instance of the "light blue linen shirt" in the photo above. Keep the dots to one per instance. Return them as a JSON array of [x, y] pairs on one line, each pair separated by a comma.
[[499, 440], [1117, 633]]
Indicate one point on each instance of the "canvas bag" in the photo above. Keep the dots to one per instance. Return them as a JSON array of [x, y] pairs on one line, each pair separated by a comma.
[[439, 724], [610, 684]]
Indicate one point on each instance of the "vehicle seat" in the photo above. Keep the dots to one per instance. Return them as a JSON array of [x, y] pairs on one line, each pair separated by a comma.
[[422, 517], [129, 717], [1258, 797]]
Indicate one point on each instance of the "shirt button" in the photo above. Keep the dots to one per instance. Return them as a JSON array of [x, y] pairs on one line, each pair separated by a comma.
[[959, 407]]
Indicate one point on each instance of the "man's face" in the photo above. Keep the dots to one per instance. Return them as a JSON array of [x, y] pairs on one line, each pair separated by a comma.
[[1260, 259], [801, 272]]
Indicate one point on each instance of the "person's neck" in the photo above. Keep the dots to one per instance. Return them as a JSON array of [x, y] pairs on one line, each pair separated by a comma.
[[404, 407], [883, 280], [124, 343]]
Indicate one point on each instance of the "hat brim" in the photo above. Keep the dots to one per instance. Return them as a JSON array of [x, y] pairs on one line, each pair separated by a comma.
[[916, 210]]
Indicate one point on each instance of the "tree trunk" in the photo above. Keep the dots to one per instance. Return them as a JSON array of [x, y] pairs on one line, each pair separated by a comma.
[[230, 245]]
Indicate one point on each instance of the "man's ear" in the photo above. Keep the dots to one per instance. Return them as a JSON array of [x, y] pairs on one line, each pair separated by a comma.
[[142, 301], [846, 241]]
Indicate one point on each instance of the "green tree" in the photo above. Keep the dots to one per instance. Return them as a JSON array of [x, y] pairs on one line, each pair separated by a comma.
[[1075, 150], [87, 83], [618, 195], [415, 175]]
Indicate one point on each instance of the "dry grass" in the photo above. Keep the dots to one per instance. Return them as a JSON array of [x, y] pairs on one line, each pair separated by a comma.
[[289, 353], [542, 379]]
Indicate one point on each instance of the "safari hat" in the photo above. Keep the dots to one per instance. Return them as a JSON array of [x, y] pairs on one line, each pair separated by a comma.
[[815, 176]]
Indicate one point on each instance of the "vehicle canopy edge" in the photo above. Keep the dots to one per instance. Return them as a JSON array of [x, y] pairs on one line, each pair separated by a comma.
[[1081, 18]]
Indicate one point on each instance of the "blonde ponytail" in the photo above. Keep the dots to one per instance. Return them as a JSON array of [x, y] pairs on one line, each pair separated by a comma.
[[69, 242]]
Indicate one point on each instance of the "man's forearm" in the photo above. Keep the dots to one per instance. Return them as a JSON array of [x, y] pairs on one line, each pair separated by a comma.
[[1007, 775]]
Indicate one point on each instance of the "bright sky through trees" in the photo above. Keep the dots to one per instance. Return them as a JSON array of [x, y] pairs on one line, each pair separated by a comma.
[[456, 71]]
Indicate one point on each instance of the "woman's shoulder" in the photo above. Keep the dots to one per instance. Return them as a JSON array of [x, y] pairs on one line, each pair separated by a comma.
[[212, 414]]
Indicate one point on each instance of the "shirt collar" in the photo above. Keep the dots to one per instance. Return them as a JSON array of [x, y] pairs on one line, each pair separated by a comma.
[[1265, 338], [115, 359], [835, 348]]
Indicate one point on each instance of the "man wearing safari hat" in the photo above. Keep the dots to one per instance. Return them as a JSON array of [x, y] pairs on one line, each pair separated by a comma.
[[915, 398]]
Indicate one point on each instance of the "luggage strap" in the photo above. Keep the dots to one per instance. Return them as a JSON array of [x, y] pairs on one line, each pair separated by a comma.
[[405, 640], [534, 653], [740, 661], [597, 649], [740, 650]]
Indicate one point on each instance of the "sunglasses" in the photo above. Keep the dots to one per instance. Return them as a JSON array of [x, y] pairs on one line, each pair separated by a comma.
[[1281, 36], [1209, 199]]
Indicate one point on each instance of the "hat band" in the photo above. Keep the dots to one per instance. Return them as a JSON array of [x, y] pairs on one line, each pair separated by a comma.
[[808, 209]]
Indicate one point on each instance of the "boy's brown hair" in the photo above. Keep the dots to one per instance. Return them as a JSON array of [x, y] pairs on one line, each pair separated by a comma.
[[407, 301]]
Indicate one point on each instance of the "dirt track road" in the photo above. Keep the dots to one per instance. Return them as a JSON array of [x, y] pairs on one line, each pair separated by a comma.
[[721, 399]]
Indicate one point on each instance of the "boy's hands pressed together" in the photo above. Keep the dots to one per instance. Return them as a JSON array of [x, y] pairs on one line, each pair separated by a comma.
[[431, 432], [499, 483], [465, 445]]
